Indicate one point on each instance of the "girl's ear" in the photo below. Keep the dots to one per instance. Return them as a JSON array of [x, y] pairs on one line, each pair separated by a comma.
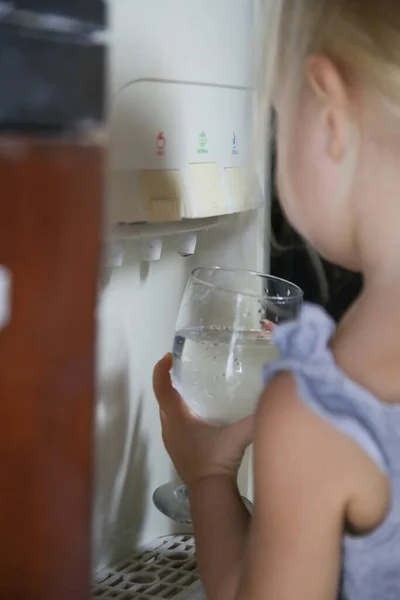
[[330, 91]]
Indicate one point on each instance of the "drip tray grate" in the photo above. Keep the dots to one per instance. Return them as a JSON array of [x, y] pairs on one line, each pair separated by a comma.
[[163, 570]]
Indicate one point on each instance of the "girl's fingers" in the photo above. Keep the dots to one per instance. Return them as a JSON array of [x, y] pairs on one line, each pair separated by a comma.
[[162, 380], [169, 400], [267, 325]]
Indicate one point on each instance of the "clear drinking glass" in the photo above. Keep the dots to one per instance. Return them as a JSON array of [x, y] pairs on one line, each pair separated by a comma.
[[222, 341]]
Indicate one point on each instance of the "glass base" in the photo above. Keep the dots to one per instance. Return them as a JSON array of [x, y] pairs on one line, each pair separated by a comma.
[[173, 501]]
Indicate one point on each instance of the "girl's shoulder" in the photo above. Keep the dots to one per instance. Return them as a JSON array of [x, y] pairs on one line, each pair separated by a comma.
[[329, 449], [325, 388]]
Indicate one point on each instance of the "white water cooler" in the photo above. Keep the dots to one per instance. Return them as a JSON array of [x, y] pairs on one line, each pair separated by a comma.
[[181, 104]]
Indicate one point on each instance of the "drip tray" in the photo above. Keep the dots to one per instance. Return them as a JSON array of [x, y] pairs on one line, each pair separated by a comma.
[[163, 570]]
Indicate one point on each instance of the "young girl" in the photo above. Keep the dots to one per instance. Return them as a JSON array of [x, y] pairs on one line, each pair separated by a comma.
[[326, 523]]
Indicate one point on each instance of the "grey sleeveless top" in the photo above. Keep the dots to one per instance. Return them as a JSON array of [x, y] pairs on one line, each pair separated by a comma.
[[370, 563]]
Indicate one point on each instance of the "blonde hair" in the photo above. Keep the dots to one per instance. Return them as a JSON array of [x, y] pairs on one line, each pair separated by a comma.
[[361, 37]]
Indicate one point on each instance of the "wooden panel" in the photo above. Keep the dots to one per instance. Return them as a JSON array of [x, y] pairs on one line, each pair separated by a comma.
[[50, 223]]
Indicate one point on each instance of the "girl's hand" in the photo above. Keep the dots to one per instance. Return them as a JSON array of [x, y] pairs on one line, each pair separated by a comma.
[[197, 449]]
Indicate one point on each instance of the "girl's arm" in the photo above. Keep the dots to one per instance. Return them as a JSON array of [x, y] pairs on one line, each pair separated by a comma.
[[304, 478], [221, 527]]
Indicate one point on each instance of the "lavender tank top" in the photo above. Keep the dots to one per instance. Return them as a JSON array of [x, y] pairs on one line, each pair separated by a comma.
[[370, 563]]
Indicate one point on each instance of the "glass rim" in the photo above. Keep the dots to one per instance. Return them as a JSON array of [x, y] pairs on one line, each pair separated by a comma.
[[299, 295]]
